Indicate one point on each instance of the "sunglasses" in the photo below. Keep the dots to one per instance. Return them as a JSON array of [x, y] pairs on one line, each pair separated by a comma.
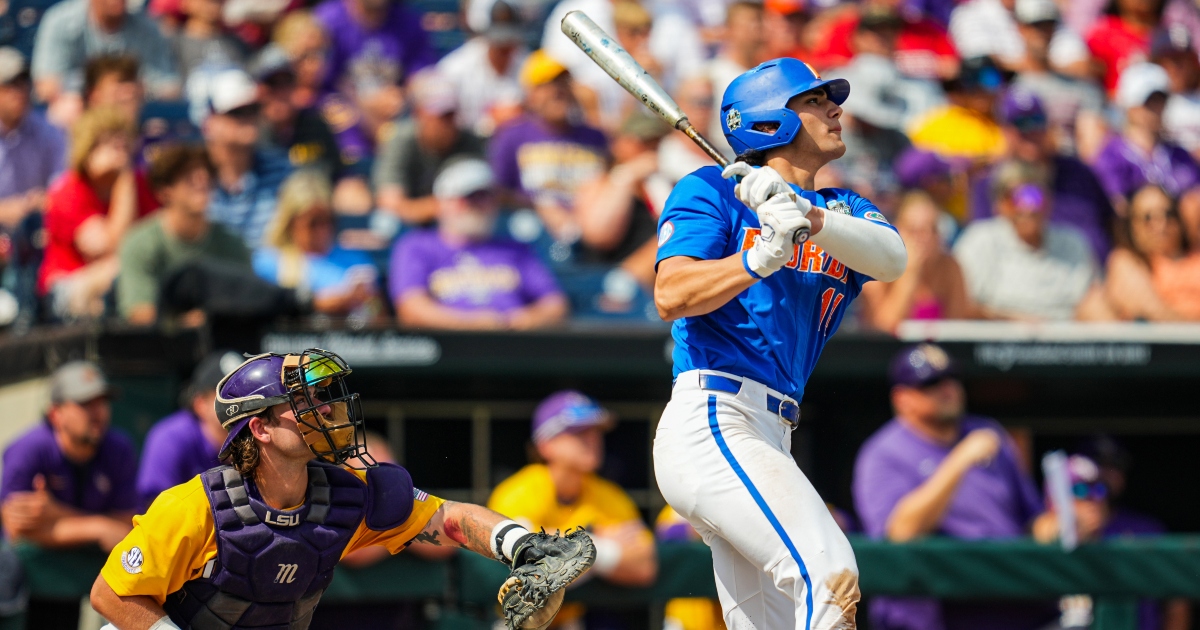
[[1095, 491], [1146, 218]]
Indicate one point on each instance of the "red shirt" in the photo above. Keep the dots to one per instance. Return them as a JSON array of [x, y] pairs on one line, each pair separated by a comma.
[[69, 202], [1117, 45], [920, 45]]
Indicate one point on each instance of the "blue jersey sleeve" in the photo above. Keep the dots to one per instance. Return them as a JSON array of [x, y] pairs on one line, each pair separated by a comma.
[[695, 221]]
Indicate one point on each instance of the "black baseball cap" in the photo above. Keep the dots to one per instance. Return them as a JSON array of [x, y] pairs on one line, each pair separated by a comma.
[[921, 365]]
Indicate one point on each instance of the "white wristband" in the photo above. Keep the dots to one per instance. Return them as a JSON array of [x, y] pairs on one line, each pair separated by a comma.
[[608, 556], [164, 624], [504, 537]]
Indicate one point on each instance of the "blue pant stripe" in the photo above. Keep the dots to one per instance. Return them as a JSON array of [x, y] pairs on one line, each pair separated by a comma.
[[762, 505]]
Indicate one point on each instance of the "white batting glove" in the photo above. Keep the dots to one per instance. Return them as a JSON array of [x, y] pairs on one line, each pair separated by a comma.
[[757, 185], [781, 217]]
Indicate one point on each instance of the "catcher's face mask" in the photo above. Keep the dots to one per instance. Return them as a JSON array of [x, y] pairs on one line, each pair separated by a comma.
[[329, 416]]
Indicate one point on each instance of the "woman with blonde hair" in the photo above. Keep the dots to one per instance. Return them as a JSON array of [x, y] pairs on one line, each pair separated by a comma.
[[89, 210], [301, 252], [932, 286]]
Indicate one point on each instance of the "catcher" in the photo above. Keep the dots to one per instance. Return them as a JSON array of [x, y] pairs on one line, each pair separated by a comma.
[[252, 544]]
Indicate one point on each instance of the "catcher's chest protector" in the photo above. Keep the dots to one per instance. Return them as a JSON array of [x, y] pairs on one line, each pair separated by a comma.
[[271, 565]]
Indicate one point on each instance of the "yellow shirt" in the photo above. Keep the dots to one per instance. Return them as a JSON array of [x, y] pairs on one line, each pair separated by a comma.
[[176, 537], [529, 496], [954, 131]]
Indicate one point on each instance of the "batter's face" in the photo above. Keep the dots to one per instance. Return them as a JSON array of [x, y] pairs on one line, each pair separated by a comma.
[[820, 132]]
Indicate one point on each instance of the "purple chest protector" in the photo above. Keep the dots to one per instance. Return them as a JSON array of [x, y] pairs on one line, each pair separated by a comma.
[[272, 565]]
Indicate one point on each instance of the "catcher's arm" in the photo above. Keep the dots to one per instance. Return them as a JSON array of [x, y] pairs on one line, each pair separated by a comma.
[[462, 525]]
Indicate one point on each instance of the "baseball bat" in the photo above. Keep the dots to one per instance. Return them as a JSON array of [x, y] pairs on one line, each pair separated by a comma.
[[601, 48]]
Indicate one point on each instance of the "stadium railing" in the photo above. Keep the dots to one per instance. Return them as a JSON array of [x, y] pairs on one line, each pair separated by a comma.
[[1117, 573]]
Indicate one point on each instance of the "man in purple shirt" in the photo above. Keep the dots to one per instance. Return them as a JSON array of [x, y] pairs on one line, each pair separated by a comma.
[[69, 480], [543, 157], [1140, 155], [458, 276], [185, 443], [31, 151], [932, 470], [374, 46], [1078, 199]]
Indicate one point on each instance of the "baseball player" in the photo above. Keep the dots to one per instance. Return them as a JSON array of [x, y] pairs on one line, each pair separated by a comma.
[[751, 312], [254, 544]]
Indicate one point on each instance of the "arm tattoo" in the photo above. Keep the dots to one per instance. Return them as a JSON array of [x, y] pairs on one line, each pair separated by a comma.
[[429, 538], [471, 526]]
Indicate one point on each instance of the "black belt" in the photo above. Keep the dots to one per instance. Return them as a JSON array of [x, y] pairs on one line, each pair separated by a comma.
[[787, 409]]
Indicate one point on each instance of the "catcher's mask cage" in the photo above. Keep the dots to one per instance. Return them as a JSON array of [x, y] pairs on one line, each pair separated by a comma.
[[327, 413]]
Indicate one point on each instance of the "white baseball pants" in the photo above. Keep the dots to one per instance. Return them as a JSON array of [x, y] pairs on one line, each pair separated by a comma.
[[724, 462]]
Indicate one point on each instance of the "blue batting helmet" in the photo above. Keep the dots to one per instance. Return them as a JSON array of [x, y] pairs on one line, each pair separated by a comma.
[[761, 94]]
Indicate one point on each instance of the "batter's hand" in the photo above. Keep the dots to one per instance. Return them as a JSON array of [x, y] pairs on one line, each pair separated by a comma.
[[757, 185], [781, 217]]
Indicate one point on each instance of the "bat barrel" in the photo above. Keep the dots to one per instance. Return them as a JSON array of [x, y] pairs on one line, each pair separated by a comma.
[[608, 54]]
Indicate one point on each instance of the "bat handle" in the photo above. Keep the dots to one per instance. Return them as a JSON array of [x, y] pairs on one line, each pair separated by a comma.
[[686, 127]]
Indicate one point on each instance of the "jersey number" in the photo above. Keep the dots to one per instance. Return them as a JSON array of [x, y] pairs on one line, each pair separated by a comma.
[[830, 300]]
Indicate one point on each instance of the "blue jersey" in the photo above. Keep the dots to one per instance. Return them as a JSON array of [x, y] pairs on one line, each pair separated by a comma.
[[772, 332]]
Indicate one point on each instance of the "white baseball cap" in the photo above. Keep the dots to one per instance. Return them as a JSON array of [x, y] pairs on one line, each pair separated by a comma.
[[1034, 11], [1139, 82], [230, 89], [463, 177]]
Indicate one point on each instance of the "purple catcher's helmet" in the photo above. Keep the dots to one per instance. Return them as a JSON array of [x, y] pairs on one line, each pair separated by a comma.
[[312, 382]]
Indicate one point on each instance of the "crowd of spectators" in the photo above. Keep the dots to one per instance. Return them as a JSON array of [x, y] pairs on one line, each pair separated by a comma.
[[1041, 154]]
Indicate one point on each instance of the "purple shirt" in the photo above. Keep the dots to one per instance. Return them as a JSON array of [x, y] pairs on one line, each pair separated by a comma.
[[1078, 201], [105, 484], [500, 275], [31, 155], [1123, 168], [175, 451], [544, 163], [994, 501], [362, 60]]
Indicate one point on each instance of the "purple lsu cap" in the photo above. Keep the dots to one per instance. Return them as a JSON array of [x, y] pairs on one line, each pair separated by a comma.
[[1022, 109], [567, 411], [921, 365], [915, 168]]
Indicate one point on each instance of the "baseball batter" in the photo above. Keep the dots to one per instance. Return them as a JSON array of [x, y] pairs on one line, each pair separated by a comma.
[[751, 314]]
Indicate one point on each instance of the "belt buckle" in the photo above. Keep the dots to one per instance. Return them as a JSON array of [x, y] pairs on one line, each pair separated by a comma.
[[789, 412]]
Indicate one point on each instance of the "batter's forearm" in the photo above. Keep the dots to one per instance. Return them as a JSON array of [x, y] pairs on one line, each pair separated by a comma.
[[687, 287], [862, 245]]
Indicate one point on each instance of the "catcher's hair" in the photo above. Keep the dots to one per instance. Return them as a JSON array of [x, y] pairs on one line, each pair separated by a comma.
[[244, 452]]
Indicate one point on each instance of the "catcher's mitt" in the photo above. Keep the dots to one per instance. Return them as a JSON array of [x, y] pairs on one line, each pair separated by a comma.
[[543, 565]]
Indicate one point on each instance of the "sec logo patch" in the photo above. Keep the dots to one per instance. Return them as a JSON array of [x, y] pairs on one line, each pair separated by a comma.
[[132, 560], [876, 217], [665, 232]]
